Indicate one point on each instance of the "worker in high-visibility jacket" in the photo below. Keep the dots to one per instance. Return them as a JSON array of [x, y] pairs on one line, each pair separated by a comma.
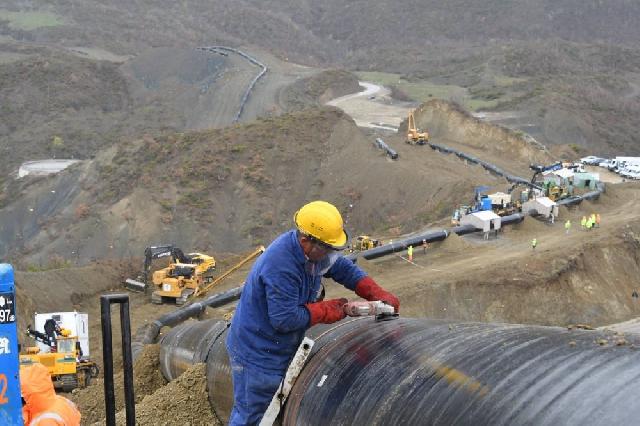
[[410, 253], [42, 407], [282, 298], [583, 223]]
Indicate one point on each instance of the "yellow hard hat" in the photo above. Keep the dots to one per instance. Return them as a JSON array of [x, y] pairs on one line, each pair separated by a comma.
[[322, 221]]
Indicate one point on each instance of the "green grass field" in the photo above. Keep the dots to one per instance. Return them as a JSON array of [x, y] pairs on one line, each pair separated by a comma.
[[27, 21]]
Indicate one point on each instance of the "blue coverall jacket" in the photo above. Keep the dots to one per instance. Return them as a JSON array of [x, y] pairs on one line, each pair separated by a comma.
[[270, 320]]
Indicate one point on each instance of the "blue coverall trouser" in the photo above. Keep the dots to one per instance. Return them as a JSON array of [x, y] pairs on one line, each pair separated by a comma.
[[252, 392]]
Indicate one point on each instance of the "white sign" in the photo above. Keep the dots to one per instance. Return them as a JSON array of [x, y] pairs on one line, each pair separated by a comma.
[[4, 346]]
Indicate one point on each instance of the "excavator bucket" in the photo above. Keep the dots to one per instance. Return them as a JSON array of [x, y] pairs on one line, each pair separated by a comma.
[[134, 285]]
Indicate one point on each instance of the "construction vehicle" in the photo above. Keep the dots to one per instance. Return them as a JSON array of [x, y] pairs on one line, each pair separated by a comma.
[[150, 254], [363, 242], [537, 169], [181, 280], [414, 136], [502, 204], [556, 193], [183, 277], [68, 367], [481, 201]]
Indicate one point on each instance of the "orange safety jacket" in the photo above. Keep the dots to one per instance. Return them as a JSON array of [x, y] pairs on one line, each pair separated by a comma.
[[42, 406]]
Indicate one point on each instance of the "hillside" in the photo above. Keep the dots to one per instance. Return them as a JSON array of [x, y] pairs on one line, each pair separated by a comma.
[[240, 185], [567, 69]]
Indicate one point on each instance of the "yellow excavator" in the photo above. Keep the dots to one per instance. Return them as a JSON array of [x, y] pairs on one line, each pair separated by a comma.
[[66, 364], [414, 136]]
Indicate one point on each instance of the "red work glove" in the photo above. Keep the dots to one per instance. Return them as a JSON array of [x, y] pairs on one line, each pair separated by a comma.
[[326, 312], [368, 289]]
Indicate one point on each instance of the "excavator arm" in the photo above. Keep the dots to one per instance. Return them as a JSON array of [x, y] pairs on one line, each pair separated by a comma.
[[50, 336]]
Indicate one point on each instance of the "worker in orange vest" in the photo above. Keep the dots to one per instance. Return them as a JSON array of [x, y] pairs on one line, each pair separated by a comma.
[[42, 407], [597, 220]]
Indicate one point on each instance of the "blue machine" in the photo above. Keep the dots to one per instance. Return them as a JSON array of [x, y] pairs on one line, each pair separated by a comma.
[[10, 399], [483, 202]]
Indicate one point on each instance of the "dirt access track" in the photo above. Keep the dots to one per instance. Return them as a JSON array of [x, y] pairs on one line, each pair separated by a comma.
[[374, 107]]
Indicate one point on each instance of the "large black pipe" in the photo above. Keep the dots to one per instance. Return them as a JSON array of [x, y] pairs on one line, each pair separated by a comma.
[[487, 166], [390, 152], [149, 333], [253, 82], [420, 371], [431, 236]]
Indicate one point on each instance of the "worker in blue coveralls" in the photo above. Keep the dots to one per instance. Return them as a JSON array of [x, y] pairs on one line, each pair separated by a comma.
[[281, 300]]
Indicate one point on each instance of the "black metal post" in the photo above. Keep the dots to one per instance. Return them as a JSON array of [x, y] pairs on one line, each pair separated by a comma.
[[107, 355]]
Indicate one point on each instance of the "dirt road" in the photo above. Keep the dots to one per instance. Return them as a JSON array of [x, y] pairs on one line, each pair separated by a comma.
[[374, 107]]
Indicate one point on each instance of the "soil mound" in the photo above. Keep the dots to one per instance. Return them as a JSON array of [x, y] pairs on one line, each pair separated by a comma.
[[454, 127], [530, 227], [146, 380], [184, 401], [454, 244]]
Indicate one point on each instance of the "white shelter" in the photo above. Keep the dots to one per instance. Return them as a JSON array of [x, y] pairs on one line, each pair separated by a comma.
[[560, 177], [485, 220], [543, 206]]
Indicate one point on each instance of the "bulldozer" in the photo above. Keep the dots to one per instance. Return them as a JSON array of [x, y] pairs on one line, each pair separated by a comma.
[[363, 242], [183, 277], [414, 135], [190, 276], [68, 367]]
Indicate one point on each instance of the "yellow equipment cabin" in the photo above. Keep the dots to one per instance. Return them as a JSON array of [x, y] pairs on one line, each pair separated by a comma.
[[68, 368]]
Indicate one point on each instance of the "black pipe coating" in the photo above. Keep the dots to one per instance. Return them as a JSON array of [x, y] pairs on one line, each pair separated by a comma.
[[419, 371]]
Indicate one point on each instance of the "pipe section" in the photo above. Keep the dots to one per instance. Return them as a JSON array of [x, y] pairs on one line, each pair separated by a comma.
[[253, 82], [149, 333], [491, 168], [415, 371], [577, 199], [188, 344], [432, 236], [420, 371], [390, 152]]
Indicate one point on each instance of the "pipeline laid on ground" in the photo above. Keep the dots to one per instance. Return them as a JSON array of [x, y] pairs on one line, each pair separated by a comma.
[[487, 166], [251, 59], [390, 152], [576, 199], [429, 237], [148, 333], [420, 371]]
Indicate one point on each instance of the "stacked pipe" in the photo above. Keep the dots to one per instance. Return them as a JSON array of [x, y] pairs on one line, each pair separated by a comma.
[[422, 371]]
